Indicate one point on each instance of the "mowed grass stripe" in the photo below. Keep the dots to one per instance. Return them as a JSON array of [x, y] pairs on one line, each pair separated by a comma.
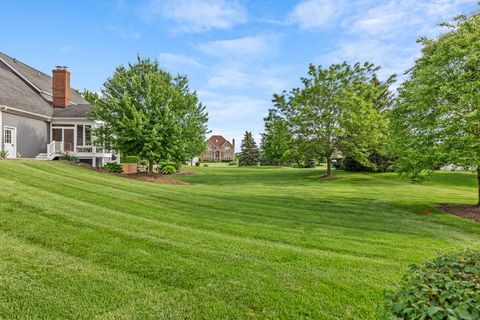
[[264, 237], [277, 244]]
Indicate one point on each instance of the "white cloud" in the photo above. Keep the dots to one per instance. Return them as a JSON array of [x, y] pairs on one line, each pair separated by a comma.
[[385, 33], [177, 60], [315, 14], [197, 15], [67, 48], [271, 79], [242, 47], [127, 33]]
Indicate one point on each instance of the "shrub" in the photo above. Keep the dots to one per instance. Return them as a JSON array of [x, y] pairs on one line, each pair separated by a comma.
[[143, 162], [176, 165], [232, 163], [113, 167], [3, 154], [205, 165], [445, 288], [68, 157], [168, 169], [130, 159], [226, 161], [197, 164]]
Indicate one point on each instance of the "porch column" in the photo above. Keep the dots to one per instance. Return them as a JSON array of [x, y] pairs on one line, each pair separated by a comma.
[[94, 162]]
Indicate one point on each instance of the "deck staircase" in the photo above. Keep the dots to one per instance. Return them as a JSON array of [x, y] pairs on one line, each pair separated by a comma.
[[45, 157]]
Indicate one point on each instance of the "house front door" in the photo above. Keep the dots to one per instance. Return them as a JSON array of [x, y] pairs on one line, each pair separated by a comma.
[[217, 155], [10, 142]]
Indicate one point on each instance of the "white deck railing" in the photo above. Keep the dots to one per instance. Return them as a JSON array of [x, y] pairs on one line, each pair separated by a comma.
[[58, 147]]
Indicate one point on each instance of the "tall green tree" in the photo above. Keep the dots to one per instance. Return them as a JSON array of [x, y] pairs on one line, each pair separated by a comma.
[[147, 112], [276, 140], [436, 120], [249, 154], [336, 111]]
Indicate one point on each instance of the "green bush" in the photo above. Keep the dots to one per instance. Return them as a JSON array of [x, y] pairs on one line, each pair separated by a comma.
[[448, 287], [113, 167], [168, 169], [205, 165], [143, 162], [176, 165], [68, 157], [130, 159], [232, 163], [197, 164]]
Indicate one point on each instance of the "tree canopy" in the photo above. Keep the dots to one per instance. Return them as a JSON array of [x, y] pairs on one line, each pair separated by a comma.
[[336, 111], [436, 120], [147, 112], [276, 140]]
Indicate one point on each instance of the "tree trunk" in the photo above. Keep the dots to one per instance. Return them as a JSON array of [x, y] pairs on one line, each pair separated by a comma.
[[329, 165], [478, 186], [150, 166]]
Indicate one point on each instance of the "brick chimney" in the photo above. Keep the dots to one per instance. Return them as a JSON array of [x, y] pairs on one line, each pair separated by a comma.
[[61, 87]]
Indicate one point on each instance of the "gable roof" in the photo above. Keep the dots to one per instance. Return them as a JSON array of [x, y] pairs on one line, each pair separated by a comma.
[[25, 88], [218, 140]]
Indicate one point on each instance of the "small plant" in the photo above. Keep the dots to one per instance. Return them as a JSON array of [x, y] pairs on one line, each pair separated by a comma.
[[68, 157], [176, 165], [197, 164], [168, 169], [445, 288], [3, 154], [143, 162], [113, 167], [205, 165], [232, 163], [130, 159]]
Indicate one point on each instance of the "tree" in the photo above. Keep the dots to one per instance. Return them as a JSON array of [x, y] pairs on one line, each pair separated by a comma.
[[436, 120], [249, 154], [336, 111], [276, 140], [147, 112]]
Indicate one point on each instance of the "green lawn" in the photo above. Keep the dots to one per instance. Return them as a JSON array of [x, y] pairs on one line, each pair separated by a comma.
[[238, 243]]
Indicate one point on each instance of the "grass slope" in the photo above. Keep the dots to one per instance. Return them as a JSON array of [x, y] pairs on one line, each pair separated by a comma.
[[237, 243]]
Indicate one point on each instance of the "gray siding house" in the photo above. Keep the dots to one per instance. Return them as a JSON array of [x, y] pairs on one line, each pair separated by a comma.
[[41, 117]]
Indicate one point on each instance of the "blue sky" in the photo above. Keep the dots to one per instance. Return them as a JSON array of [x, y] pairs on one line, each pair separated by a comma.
[[235, 53]]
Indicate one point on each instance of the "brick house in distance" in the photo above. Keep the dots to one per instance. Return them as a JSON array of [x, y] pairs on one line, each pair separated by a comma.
[[219, 149]]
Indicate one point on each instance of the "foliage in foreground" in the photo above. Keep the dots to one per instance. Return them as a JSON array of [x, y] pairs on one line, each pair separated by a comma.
[[447, 287]]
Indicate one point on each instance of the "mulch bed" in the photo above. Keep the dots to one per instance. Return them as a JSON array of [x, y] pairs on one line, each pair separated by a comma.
[[156, 178], [462, 210]]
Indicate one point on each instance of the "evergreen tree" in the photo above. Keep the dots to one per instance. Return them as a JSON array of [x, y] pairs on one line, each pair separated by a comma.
[[249, 154]]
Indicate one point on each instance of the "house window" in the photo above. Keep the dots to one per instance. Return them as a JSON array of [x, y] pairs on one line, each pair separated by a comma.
[[88, 135], [227, 153], [80, 134], [8, 136], [84, 135]]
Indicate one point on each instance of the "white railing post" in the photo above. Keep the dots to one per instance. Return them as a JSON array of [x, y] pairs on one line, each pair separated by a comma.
[[62, 147]]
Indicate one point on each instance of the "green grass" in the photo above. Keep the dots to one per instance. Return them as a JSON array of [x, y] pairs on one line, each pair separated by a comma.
[[238, 243]]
